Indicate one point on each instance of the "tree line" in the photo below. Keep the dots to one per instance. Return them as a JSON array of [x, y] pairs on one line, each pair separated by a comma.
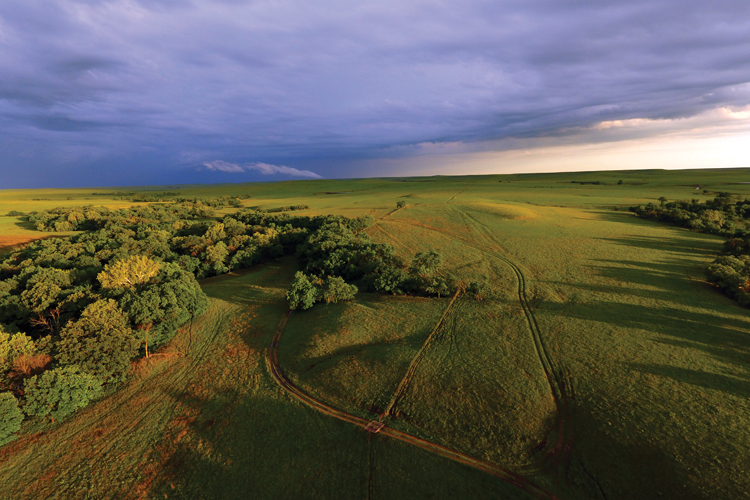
[[76, 311], [725, 216]]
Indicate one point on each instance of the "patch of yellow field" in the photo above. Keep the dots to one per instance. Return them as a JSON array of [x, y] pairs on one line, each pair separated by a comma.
[[504, 210]]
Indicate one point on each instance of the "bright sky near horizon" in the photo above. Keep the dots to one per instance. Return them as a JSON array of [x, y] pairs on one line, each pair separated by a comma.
[[133, 92]]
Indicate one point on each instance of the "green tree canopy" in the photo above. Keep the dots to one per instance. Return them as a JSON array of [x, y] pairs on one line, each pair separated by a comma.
[[425, 263], [302, 293], [133, 272], [60, 392], [335, 289], [11, 417], [11, 347], [100, 342], [161, 307]]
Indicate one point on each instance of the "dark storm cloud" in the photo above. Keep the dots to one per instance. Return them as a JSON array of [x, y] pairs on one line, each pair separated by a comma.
[[180, 84]]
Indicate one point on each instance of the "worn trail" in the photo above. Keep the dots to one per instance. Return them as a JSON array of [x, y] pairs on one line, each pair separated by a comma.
[[497, 471], [404, 384]]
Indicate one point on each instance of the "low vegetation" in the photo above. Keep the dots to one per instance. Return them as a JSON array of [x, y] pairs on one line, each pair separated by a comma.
[[725, 216]]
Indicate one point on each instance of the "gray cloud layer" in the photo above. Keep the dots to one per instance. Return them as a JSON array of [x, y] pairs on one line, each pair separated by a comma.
[[133, 88]]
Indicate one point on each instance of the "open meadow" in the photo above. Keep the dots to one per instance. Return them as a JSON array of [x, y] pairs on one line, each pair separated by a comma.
[[599, 363]]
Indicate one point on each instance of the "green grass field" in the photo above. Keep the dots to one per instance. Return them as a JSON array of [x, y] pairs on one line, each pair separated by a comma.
[[600, 364]]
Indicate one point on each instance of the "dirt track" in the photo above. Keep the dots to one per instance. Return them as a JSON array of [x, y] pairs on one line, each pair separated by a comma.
[[506, 475]]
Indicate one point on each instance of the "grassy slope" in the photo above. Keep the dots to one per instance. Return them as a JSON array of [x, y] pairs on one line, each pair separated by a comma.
[[657, 360]]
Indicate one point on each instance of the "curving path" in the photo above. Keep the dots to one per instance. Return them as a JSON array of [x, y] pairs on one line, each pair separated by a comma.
[[376, 427], [556, 384]]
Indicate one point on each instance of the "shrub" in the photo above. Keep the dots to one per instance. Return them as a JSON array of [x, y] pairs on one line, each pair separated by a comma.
[[11, 417], [60, 392], [425, 263], [477, 289]]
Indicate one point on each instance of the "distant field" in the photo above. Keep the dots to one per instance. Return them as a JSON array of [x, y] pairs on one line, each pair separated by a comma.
[[600, 364]]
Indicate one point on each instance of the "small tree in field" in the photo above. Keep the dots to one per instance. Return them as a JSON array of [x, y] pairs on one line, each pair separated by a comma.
[[425, 263], [400, 204]]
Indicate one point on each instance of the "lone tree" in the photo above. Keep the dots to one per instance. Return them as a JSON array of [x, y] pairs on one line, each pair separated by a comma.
[[131, 273], [400, 204]]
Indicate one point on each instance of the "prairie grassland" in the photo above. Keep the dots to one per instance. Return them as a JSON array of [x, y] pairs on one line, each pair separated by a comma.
[[617, 372], [204, 419]]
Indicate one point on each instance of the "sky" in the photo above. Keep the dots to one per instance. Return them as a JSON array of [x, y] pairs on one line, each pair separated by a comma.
[[144, 92]]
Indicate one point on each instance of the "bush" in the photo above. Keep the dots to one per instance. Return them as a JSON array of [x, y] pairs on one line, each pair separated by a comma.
[[425, 263], [307, 290], [60, 392], [11, 417], [477, 289]]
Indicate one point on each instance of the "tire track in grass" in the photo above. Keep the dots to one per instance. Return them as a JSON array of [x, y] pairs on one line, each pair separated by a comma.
[[558, 453], [544, 358], [378, 428], [404, 384], [370, 466]]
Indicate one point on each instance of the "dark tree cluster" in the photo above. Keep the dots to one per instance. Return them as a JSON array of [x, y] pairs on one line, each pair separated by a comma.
[[337, 260], [76, 311], [724, 216], [91, 218]]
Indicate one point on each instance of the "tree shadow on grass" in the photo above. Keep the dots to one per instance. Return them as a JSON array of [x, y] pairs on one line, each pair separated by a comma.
[[735, 385], [607, 463], [676, 307], [700, 246], [724, 339], [263, 446]]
